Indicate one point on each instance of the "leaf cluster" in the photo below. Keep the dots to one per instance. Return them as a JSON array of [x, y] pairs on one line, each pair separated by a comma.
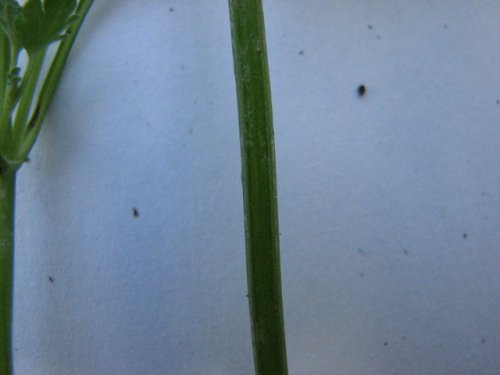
[[36, 24], [25, 94]]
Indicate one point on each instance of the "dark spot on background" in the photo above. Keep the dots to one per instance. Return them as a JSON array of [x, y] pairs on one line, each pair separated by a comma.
[[135, 212], [464, 235], [405, 252], [370, 27], [301, 52], [361, 90], [386, 343], [483, 340], [51, 279], [171, 9]]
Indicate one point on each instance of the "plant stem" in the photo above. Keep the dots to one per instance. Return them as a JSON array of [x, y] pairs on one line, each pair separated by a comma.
[[259, 186], [4, 64], [28, 87], [7, 195], [4, 72]]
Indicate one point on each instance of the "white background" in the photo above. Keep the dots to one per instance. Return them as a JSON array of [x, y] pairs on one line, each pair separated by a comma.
[[389, 203]]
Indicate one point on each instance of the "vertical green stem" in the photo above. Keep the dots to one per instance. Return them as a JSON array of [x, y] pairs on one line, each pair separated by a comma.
[[28, 90], [4, 64], [7, 195], [259, 186], [4, 71]]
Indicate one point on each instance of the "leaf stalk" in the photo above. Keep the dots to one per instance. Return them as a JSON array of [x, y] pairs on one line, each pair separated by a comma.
[[259, 186], [7, 194]]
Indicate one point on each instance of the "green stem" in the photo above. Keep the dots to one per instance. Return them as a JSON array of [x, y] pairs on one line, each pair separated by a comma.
[[4, 64], [259, 186], [7, 195], [4, 71], [28, 88]]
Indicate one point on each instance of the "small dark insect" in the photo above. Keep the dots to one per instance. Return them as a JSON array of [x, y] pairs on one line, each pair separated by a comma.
[[361, 90], [51, 279], [171, 9], [301, 52], [135, 212], [465, 235]]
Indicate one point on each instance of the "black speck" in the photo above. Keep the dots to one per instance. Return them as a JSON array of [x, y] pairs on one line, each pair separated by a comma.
[[405, 252], [464, 235], [498, 101], [51, 279], [483, 340], [171, 9], [445, 26], [370, 27], [135, 212], [361, 90], [301, 52], [386, 343], [27, 160], [15, 349], [246, 295]]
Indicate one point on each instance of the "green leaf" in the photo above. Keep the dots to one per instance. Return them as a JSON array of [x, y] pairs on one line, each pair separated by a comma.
[[35, 25], [10, 10]]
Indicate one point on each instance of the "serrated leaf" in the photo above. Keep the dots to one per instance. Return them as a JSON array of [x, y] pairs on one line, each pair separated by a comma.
[[35, 25]]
